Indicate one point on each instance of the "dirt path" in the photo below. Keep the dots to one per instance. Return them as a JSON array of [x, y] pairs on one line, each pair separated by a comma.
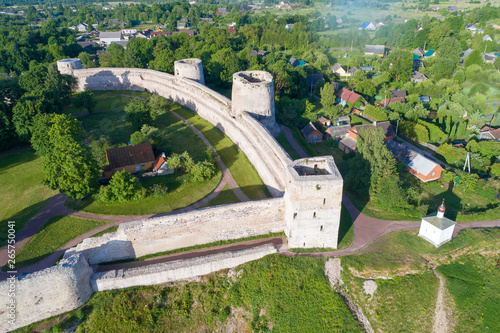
[[442, 313]]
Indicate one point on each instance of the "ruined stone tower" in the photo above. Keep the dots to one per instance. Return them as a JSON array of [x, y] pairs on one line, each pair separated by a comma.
[[190, 69], [66, 66], [313, 200], [253, 92]]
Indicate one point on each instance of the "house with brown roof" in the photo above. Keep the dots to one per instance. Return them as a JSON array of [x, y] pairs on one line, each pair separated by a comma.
[[312, 134], [348, 143], [489, 133], [398, 96], [132, 158], [160, 33]]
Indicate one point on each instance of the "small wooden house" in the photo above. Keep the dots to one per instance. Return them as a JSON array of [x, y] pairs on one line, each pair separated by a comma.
[[437, 229], [132, 158], [324, 121], [312, 134]]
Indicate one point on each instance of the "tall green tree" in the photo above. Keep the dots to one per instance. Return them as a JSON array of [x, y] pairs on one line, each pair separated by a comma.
[[327, 95], [69, 165]]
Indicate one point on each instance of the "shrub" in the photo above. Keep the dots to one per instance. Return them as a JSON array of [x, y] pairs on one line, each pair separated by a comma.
[[182, 162], [495, 170], [122, 187], [375, 112], [157, 190], [415, 130], [436, 135], [202, 171]]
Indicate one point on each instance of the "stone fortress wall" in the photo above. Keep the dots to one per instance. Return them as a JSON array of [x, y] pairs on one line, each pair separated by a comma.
[[139, 238], [306, 204]]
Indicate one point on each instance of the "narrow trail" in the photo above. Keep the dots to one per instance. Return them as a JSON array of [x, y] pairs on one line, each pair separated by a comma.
[[441, 322]]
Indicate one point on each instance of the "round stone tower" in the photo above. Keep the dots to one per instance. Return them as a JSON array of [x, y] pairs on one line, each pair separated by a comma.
[[67, 66], [253, 92], [190, 69]]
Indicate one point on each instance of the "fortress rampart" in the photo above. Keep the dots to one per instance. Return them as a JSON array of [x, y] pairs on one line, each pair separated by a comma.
[[136, 239], [306, 205]]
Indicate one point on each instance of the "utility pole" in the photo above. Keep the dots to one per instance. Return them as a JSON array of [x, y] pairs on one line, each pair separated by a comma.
[[352, 42], [425, 45], [467, 162], [397, 125]]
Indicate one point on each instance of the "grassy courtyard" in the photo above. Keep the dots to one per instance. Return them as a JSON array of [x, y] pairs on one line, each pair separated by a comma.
[[109, 121], [23, 193]]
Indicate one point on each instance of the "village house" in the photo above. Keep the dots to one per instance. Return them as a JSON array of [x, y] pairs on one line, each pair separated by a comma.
[[339, 70], [437, 229], [312, 134], [160, 33], [161, 167], [418, 165], [324, 121], [466, 53], [489, 133], [418, 77], [452, 9], [132, 158], [487, 38], [128, 31], [398, 96], [296, 62], [367, 26], [419, 52], [221, 11], [349, 142], [340, 129], [345, 96], [289, 26], [375, 50], [105, 37]]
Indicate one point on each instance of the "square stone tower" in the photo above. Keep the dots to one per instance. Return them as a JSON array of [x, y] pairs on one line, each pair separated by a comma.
[[313, 200]]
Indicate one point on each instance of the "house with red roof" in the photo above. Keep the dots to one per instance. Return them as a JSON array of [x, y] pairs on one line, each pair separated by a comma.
[[161, 167], [345, 96]]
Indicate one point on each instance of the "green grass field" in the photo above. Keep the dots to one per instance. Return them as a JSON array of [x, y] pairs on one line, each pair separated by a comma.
[[22, 193], [236, 161], [474, 284], [275, 293], [406, 303], [58, 231], [226, 196]]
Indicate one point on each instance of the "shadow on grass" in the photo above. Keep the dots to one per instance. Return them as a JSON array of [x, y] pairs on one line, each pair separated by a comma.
[[14, 160], [28, 262], [21, 218]]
